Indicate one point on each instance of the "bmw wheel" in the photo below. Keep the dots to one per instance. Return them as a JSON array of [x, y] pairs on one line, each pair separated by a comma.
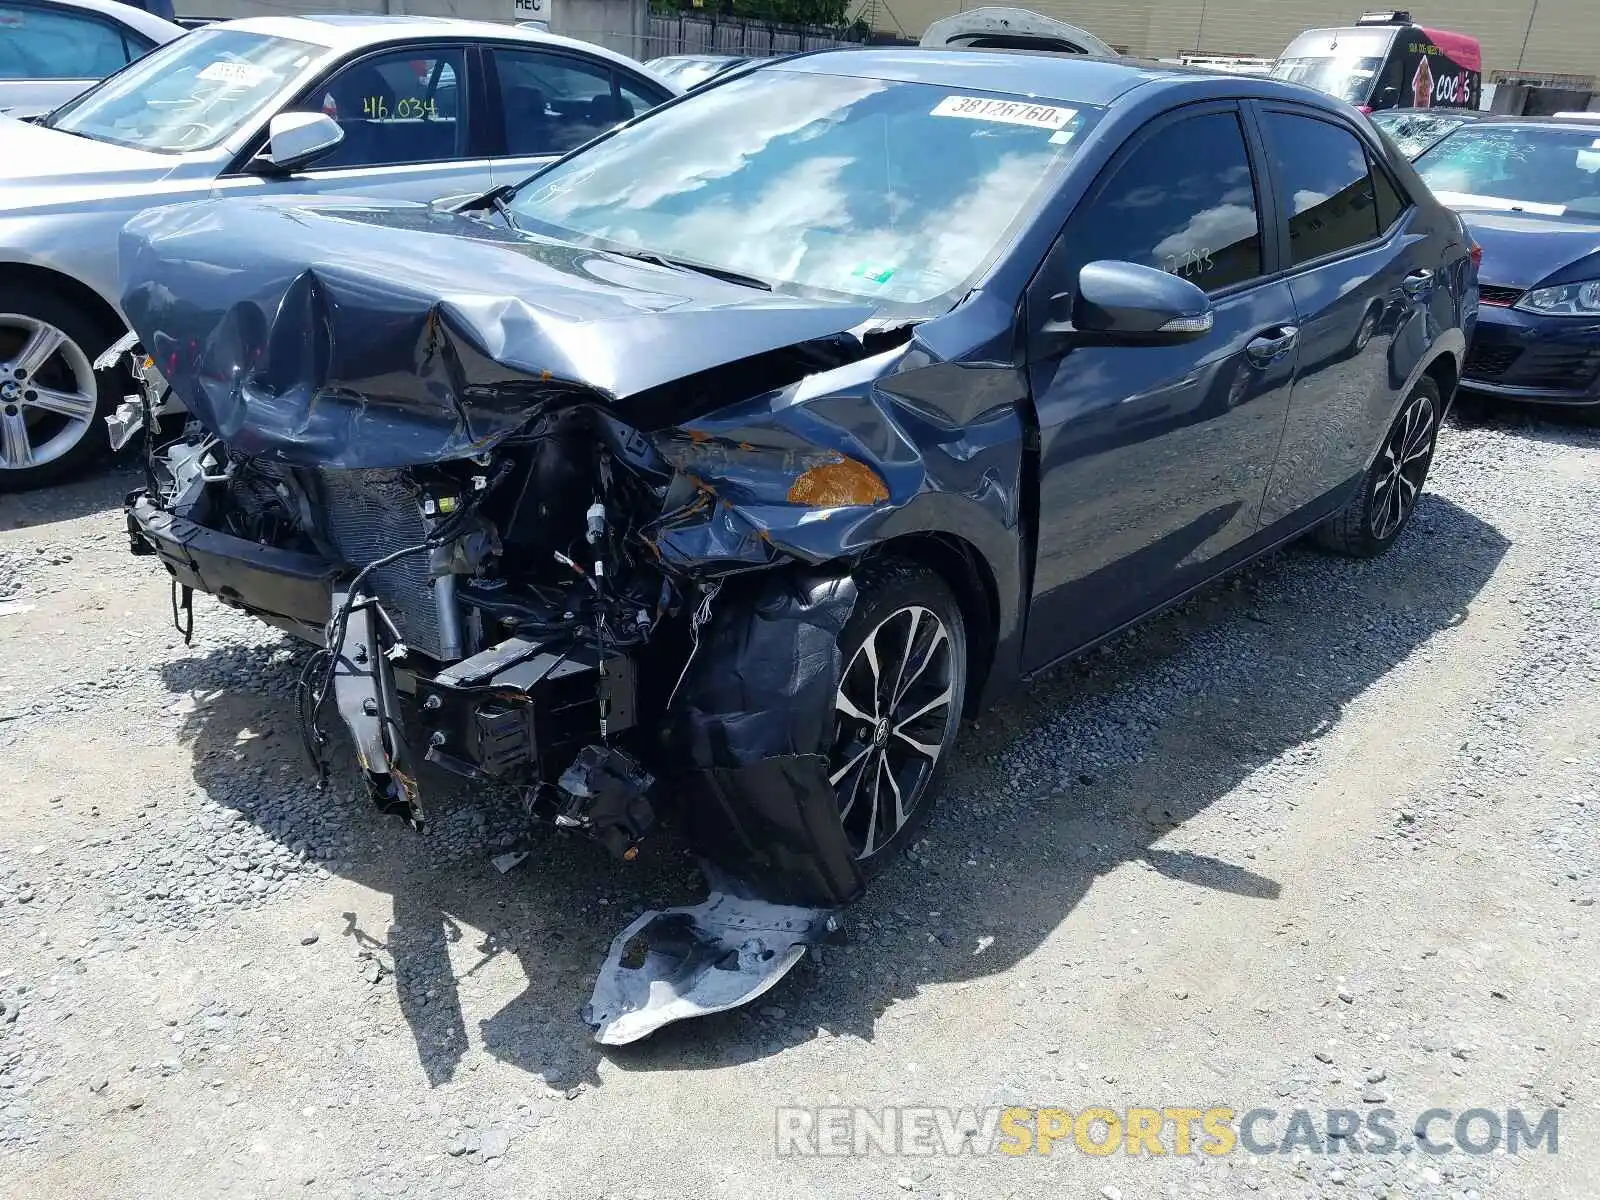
[[50, 397], [1384, 506], [898, 705]]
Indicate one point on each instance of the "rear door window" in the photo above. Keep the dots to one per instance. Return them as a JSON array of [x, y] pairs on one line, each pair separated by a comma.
[[40, 42], [1325, 185], [553, 103], [1388, 197], [1184, 201]]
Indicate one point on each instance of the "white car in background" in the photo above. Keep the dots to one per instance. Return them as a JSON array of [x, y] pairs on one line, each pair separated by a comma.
[[50, 50], [368, 105]]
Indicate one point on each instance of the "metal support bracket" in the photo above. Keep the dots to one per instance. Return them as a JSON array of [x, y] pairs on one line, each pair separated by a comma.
[[183, 610], [369, 702]]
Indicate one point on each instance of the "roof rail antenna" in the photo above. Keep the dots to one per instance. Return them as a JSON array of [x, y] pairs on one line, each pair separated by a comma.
[[1385, 16], [1012, 29]]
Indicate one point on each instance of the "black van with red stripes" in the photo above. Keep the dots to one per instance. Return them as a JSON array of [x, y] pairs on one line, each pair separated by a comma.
[[1387, 60]]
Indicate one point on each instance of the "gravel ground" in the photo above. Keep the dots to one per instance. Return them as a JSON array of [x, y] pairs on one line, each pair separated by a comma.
[[1325, 837]]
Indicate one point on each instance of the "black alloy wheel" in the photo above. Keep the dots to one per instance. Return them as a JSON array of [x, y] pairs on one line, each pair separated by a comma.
[[897, 707]]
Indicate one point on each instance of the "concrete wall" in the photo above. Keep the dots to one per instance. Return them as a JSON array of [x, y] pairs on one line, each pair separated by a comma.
[[1563, 36], [476, 10], [621, 25]]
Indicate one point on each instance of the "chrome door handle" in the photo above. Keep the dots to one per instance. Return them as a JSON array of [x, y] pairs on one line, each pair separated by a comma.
[[1266, 350], [1419, 283]]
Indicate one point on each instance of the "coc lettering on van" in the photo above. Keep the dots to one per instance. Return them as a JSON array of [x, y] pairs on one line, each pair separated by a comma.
[[1451, 89]]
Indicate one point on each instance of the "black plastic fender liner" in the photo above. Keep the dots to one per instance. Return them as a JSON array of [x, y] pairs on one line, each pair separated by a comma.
[[753, 721], [773, 826]]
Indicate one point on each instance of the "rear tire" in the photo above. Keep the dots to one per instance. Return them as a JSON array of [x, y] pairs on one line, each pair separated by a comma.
[[52, 401], [904, 661], [1380, 511]]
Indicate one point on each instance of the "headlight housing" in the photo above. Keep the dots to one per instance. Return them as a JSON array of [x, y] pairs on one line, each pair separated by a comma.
[[1563, 300]]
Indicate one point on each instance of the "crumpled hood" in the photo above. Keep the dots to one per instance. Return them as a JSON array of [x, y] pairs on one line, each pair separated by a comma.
[[1521, 249], [353, 334]]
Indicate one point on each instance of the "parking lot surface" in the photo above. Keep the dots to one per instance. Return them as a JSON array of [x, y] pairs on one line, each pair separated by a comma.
[[1324, 838]]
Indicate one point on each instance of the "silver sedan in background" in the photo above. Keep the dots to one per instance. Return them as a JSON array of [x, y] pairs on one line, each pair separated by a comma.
[[371, 106], [50, 50]]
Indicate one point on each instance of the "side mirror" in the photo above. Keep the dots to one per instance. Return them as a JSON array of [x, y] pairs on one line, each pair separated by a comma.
[[295, 141], [1125, 304], [1389, 96]]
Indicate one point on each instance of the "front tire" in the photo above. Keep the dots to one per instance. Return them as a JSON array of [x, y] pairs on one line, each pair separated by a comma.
[[1379, 512], [51, 400], [898, 706]]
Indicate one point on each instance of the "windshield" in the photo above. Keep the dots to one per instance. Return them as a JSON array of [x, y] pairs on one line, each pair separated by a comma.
[[1537, 168], [190, 94], [1348, 77], [899, 192], [1415, 132]]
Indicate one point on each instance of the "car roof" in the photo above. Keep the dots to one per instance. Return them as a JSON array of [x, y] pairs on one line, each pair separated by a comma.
[[158, 29], [1459, 114], [355, 31], [1081, 78], [1483, 118], [1326, 31], [699, 58]]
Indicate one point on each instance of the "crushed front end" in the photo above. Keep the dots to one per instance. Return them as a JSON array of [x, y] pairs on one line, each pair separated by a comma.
[[557, 521], [510, 618], [502, 596]]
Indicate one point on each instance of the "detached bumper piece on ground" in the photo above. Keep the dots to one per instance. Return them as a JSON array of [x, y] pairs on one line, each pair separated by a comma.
[[507, 581]]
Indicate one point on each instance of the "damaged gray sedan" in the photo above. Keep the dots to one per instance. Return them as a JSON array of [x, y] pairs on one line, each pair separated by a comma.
[[714, 472]]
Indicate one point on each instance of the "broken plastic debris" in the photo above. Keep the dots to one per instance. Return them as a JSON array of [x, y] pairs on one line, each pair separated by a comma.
[[505, 862], [108, 358], [676, 963]]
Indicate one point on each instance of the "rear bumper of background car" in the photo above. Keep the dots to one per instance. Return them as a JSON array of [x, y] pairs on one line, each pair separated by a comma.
[[1543, 360]]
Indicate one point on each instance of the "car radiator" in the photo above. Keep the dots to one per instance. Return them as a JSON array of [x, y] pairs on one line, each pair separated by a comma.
[[368, 514]]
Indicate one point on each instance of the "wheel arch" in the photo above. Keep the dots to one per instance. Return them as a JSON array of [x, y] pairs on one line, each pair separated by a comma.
[[70, 289], [1442, 364], [960, 564], [1445, 371]]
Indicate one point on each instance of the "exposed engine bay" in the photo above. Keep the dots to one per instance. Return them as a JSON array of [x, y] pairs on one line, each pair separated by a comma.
[[507, 596]]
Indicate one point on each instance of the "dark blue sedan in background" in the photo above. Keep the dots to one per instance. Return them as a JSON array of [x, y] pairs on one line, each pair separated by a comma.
[[1529, 190]]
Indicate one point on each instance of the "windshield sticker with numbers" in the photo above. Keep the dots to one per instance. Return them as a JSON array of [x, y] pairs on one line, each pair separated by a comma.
[[238, 74], [1006, 112]]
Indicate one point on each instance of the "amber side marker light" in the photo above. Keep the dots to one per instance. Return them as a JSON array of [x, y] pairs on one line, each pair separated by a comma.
[[839, 483]]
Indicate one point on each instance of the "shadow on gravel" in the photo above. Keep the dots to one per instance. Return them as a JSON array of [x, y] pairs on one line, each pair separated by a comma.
[[1085, 772], [99, 492]]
